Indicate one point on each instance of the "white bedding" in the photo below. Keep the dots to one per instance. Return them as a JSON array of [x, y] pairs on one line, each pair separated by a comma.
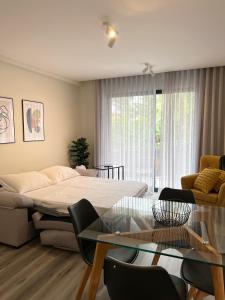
[[102, 193]]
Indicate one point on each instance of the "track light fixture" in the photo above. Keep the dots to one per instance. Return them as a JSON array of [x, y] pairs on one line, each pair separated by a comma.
[[111, 34], [148, 69]]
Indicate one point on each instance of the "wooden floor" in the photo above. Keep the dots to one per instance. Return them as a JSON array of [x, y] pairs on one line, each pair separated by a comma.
[[35, 272]]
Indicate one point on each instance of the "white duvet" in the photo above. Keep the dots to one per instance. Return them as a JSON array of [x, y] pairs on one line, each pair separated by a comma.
[[102, 193]]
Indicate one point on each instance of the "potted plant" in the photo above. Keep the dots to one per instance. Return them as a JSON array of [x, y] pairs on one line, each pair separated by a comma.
[[78, 153]]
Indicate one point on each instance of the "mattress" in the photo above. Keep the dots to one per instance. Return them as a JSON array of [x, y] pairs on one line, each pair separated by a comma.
[[102, 193]]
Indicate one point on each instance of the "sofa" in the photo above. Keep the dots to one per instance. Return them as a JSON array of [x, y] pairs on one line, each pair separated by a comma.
[[17, 226], [212, 198], [20, 221]]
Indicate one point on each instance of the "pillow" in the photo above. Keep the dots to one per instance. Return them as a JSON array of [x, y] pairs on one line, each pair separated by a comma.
[[59, 173], [220, 181], [24, 182], [207, 179]]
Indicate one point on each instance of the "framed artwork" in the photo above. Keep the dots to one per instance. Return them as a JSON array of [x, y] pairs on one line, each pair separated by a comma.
[[7, 127], [33, 121]]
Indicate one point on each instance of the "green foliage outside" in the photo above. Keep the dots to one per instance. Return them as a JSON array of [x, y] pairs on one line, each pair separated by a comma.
[[148, 123], [136, 118]]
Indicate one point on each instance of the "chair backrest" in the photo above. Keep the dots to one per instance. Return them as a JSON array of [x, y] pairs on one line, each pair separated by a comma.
[[222, 162], [82, 215], [209, 161], [177, 195], [127, 281]]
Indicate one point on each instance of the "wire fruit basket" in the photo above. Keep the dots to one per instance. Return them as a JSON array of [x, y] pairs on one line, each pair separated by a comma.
[[170, 213]]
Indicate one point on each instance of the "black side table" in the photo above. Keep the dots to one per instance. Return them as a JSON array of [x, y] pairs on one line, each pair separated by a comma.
[[110, 169]]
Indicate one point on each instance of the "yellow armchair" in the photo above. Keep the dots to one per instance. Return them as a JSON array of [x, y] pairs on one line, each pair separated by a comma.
[[212, 198], [209, 161], [221, 196], [187, 182]]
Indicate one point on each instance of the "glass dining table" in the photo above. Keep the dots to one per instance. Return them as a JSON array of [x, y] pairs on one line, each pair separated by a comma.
[[132, 223]]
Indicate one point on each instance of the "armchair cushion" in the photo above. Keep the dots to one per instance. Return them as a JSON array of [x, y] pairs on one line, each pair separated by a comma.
[[220, 181], [207, 179]]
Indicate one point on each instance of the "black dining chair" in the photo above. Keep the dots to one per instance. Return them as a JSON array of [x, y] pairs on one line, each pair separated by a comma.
[[191, 271], [198, 275], [82, 215], [177, 195], [130, 282]]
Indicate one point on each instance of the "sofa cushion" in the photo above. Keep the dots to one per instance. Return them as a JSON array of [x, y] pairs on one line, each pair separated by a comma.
[[24, 182], [59, 239], [52, 222], [207, 179], [59, 173], [220, 181]]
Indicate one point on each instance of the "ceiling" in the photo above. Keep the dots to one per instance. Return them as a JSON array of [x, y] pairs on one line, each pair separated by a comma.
[[65, 38]]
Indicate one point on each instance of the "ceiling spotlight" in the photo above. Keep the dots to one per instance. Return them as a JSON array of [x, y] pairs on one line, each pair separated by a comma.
[[145, 70], [148, 69], [111, 34]]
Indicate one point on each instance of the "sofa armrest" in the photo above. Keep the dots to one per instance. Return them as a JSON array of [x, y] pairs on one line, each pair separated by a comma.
[[15, 227], [14, 200], [187, 182], [221, 195], [87, 172]]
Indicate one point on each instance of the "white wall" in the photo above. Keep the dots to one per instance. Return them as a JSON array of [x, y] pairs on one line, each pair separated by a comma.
[[87, 99], [61, 106]]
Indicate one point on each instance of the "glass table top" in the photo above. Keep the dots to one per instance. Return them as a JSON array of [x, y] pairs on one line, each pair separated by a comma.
[[131, 223]]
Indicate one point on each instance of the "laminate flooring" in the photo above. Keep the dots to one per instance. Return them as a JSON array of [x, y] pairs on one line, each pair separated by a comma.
[[36, 272]]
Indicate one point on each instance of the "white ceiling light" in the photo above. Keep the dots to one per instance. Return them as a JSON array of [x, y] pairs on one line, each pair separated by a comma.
[[148, 69], [111, 34]]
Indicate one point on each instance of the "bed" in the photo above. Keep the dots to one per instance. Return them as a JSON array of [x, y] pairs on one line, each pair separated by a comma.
[[51, 191], [102, 193]]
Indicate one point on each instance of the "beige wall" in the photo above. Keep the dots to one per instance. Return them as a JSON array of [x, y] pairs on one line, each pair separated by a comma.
[[87, 98], [61, 119]]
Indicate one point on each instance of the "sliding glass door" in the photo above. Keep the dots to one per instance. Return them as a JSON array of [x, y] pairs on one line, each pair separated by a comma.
[[153, 136]]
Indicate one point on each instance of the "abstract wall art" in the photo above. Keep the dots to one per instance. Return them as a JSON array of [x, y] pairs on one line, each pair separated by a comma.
[[33, 121], [7, 128]]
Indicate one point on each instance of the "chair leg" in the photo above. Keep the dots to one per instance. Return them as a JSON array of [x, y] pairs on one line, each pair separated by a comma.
[[192, 293], [83, 282], [156, 257], [201, 295]]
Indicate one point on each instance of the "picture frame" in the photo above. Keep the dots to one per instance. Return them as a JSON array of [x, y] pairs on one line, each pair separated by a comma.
[[33, 121], [7, 124]]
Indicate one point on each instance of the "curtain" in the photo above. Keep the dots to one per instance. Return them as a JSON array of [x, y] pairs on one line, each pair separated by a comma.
[[126, 125], [212, 99], [180, 127], [157, 127], [143, 129]]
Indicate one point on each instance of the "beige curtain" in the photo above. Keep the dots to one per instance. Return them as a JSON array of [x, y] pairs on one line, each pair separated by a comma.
[[150, 125], [192, 122], [212, 99]]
